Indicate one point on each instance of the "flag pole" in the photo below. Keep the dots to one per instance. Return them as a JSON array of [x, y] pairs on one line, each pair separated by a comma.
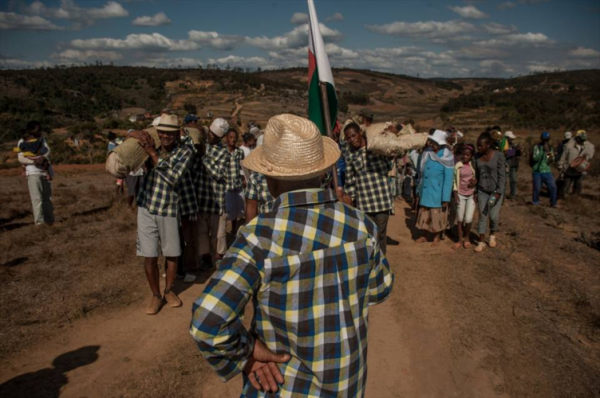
[[325, 101]]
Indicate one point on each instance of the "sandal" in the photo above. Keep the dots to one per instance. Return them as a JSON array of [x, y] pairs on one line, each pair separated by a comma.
[[467, 245]]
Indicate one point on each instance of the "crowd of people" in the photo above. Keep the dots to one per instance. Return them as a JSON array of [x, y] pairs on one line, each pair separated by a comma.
[[311, 255]]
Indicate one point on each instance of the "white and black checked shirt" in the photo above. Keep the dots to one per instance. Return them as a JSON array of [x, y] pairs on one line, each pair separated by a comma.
[[367, 180], [163, 185]]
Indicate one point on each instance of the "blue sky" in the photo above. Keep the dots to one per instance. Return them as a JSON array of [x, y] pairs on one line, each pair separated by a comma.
[[429, 38]]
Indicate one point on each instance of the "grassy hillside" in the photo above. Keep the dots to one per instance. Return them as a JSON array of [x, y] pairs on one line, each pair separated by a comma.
[[544, 101]]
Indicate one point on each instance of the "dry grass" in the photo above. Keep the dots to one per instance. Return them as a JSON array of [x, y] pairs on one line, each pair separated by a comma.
[[54, 275]]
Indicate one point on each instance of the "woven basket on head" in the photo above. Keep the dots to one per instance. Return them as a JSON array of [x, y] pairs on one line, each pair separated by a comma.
[[131, 155], [195, 134], [384, 142]]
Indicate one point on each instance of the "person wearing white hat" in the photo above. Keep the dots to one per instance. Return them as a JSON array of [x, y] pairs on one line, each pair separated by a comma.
[[435, 188], [561, 146], [512, 155], [291, 263], [223, 167], [159, 206]]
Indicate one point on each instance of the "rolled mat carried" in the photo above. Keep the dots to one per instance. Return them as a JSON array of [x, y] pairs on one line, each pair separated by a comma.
[[129, 156], [386, 143]]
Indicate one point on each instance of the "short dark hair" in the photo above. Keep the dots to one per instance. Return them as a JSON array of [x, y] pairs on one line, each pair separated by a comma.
[[486, 136], [33, 124], [234, 130], [352, 125], [431, 131], [111, 136], [247, 137]]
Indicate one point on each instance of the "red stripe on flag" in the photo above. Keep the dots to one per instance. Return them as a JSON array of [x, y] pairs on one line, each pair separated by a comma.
[[312, 65]]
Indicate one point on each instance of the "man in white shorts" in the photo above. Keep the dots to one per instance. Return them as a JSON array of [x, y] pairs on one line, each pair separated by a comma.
[[158, 205]]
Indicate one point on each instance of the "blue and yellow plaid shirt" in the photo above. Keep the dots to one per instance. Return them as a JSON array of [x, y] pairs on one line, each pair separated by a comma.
[[312, 267], [162, 184]]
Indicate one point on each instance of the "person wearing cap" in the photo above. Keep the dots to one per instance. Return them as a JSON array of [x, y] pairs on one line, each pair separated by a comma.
[[490, 173], [159, 201], [367, 184], [311, 285], [560, 148], [435, 187], [367, 117], [512, 155], [224, 177], [579, 148], [542, 157]]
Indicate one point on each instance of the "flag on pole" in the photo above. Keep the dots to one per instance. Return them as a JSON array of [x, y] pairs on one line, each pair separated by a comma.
[[319, 70]]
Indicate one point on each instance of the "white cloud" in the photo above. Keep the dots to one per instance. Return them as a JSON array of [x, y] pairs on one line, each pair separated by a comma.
[[441, 31], [12, 21], [518, 40], [495, 68], [151, 42], [469, 53], [335, 17], [159, 19], [581, 52], [215, 40], [298, 37], [499, 29], [299, 18], [469, 12], [506, 5], [69, 10], [72, 55]]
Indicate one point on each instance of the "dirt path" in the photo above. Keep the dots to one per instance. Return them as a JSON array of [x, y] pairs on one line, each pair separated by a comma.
[[457, 325], [409, 353]]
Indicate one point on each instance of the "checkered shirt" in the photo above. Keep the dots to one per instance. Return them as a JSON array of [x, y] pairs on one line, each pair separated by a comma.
[[164, 184], [188, 204], [367, 180], [312, 267], [258, 190], [234, 173], [223, 167]]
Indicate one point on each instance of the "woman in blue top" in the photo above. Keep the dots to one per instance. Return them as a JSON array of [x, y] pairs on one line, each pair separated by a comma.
[[435, 187]]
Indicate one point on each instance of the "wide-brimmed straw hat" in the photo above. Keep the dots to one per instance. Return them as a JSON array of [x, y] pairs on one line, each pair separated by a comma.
[[168, 123], [293, 149]]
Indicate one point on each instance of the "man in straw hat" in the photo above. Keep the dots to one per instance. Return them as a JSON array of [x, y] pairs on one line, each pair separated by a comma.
[[159, 202], [577, 149], [368, 187], [312, 267]]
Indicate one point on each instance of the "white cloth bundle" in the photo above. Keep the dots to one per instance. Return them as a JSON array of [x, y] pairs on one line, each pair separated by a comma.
[[129, 156], [387, 143]]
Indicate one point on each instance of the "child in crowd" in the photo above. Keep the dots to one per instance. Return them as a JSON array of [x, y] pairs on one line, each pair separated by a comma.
[[464, 194], [35, 148]]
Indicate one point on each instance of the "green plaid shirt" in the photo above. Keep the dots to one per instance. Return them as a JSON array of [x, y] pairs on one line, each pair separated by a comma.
[[312, 267], [258, 190], [162, 184], [367, 180]]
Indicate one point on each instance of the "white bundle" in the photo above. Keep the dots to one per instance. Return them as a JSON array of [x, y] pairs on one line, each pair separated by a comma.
[[387, 143]]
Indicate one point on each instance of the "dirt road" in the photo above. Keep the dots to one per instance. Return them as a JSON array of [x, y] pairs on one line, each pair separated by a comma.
[[457, 325]]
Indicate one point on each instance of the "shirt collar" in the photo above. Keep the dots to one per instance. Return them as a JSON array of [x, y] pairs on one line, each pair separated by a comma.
[[304, 197]]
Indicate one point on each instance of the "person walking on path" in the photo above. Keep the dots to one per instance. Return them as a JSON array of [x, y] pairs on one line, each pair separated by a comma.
[[576, 150], [159, 206], [367, 184], [464, 195], [310, 285], [542, 157], [435, 189], [512, 155], [38, 182], [490, 168]]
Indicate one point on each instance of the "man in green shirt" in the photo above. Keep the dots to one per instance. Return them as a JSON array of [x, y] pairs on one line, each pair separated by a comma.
[[542, 156]]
